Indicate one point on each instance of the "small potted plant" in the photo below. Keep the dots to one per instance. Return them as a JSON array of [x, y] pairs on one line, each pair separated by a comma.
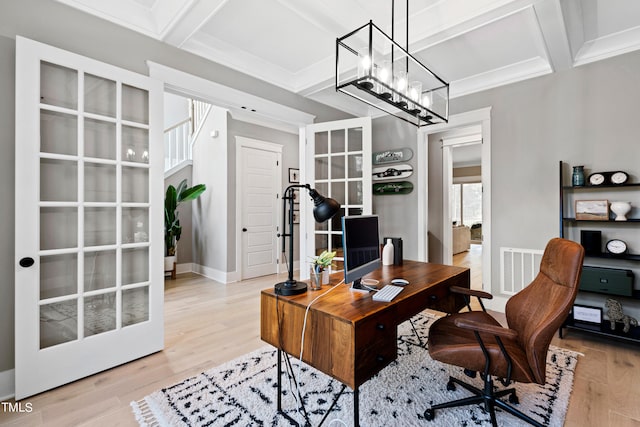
[[319, 267], [172, 227]]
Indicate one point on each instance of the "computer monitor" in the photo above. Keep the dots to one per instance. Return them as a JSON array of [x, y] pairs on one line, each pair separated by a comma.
[[361, 246]]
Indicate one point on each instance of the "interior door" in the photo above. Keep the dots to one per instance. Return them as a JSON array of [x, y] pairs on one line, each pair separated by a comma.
[[337, 159], [259, 174], [88, 269]]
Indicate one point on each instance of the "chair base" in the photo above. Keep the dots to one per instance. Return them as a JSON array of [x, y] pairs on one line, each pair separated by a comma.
[[488, 396]]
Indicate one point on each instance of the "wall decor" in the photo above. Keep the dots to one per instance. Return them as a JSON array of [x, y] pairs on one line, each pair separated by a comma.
[[398, 171], [392, 156], [294, 175], [608, 178], [592, 210], [395, 188]]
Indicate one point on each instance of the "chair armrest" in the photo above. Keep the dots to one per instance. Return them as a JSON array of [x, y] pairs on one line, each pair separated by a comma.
[[484, 328], [471, 292]]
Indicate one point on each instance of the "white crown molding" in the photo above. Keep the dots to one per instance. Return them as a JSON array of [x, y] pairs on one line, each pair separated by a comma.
[[226, 97], [608, 46], [524, 70]]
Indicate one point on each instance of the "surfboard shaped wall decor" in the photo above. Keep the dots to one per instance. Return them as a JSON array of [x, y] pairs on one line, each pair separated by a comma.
[[396, 171], [392, 156], [395, 188]]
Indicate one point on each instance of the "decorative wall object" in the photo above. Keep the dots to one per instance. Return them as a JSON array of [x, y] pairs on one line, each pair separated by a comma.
[[592, 210]]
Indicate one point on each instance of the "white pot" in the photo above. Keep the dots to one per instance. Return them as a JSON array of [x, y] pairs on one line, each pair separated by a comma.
[[621, 209], [168, 262]]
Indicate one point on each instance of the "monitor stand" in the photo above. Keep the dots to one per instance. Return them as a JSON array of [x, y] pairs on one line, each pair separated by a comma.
[[358, 286]]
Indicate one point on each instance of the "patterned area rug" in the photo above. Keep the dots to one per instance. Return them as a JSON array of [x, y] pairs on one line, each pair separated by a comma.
[[242, 392]]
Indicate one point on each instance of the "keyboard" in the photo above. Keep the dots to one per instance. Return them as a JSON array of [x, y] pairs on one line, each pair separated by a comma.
[[387, 293]]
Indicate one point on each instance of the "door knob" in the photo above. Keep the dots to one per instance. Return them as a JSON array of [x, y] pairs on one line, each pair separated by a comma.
[[26, 262], [244, 229]]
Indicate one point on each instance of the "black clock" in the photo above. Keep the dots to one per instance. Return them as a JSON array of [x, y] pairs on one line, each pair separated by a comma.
[[616, 247]]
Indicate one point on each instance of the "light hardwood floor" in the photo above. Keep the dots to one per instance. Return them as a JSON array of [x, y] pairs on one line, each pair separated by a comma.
[[208, 323]]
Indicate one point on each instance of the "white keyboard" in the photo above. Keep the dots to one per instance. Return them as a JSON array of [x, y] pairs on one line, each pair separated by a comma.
[[387, 293]]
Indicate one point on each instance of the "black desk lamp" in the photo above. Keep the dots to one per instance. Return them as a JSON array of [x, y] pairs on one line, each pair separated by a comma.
[[324, 209]]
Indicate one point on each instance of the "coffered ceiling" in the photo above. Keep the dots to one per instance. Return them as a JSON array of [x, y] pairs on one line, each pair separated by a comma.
[[473, 44]]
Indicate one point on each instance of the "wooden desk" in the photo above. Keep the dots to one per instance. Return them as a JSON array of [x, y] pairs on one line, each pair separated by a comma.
[[348, 335]]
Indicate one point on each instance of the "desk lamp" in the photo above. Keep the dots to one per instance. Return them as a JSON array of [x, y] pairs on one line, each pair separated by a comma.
[[324, 209]]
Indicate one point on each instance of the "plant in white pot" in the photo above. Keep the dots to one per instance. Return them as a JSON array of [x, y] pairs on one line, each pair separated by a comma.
[[319, 268], [172, 228]]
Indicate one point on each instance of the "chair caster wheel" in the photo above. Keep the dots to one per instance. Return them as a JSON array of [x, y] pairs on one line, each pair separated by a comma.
[[514, 399], [429, 414], [451, 386], [470, 373]]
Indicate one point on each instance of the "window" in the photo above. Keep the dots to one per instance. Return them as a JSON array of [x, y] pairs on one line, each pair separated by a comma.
[[466, 203]]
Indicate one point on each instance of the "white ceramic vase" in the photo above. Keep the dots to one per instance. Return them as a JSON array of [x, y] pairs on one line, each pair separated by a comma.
[[621, 209]]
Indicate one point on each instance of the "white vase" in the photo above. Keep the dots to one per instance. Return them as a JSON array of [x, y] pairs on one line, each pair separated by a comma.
[[621, 209], [387, 253]]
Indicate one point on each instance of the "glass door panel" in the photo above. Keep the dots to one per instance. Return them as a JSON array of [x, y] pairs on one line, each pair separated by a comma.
[[58, 133], [53, 173], [135, 104], [135, 305], [99, 139], [58, 228], [58, 275], [135, 225], [99, 182], [135, 182], [99, 226], [58, 85], [99, 96], [58, 323], [135, 144], [99, 314], [135, 264], [99, 270]]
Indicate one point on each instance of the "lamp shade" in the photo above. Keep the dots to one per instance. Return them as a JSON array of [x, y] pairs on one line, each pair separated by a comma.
[[324, 207]]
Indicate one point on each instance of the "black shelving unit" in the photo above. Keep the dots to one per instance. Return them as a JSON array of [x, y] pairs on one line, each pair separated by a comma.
[[604, 328]]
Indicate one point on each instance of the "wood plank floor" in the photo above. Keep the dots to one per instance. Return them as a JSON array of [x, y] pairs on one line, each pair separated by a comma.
[[208, 323]]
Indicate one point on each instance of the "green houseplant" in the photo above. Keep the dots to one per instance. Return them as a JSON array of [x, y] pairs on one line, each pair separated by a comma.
[[173, 198], [319, 266]]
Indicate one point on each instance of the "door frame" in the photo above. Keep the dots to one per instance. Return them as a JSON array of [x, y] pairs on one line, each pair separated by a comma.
[[243, 142], [480, 117]]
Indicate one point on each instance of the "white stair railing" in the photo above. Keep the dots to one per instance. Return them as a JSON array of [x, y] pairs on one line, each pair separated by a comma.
[[177, 144], [179, 138]]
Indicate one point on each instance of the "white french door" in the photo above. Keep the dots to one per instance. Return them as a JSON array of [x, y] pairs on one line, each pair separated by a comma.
[[337, 159], [89, 231]]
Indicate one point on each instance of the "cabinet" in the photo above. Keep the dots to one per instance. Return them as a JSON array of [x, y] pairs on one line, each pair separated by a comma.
[[629, 231]]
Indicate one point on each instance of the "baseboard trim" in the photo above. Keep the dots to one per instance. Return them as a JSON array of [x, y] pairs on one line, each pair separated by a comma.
[[211, 273], [7, 384], [184, 268], [496, 304]]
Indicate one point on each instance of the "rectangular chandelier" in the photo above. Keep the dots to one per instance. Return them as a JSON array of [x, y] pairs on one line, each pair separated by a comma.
[[372, 67]]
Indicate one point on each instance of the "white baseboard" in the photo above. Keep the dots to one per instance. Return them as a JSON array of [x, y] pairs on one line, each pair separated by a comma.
[[496, 304], [7, 385], [184, 268], [212, 273]]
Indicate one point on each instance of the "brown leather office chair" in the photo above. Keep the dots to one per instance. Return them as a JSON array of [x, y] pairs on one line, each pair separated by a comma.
[[477, 342]]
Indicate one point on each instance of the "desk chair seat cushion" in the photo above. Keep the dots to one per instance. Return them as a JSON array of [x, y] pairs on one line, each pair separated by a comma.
[[457, 346]]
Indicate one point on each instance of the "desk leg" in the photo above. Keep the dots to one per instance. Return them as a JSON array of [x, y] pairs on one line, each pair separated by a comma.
[[356, 407], [279, 388]]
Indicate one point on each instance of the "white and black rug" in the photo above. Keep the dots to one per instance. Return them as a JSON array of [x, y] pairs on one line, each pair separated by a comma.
[[242, 392]]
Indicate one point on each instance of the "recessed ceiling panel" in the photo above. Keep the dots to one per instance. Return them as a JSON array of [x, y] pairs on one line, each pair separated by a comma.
[[487, 48], [605, 17], [272, 32]]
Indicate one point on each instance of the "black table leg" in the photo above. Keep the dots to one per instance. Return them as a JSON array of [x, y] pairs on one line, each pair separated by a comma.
[[356, 407]]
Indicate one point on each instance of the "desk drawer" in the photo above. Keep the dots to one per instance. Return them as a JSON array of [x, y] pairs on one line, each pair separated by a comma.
[[376, 344]]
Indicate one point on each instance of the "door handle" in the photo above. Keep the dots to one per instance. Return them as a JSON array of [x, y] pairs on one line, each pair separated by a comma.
[[26, 262], [244, 229]]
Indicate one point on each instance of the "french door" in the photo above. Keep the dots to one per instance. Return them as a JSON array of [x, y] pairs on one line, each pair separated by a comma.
[[337, 159], [88, 244]]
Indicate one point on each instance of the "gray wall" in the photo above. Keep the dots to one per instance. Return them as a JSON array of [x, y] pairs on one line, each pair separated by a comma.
[[398, 212], [64, 27], [7, 173], [584, 116]]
